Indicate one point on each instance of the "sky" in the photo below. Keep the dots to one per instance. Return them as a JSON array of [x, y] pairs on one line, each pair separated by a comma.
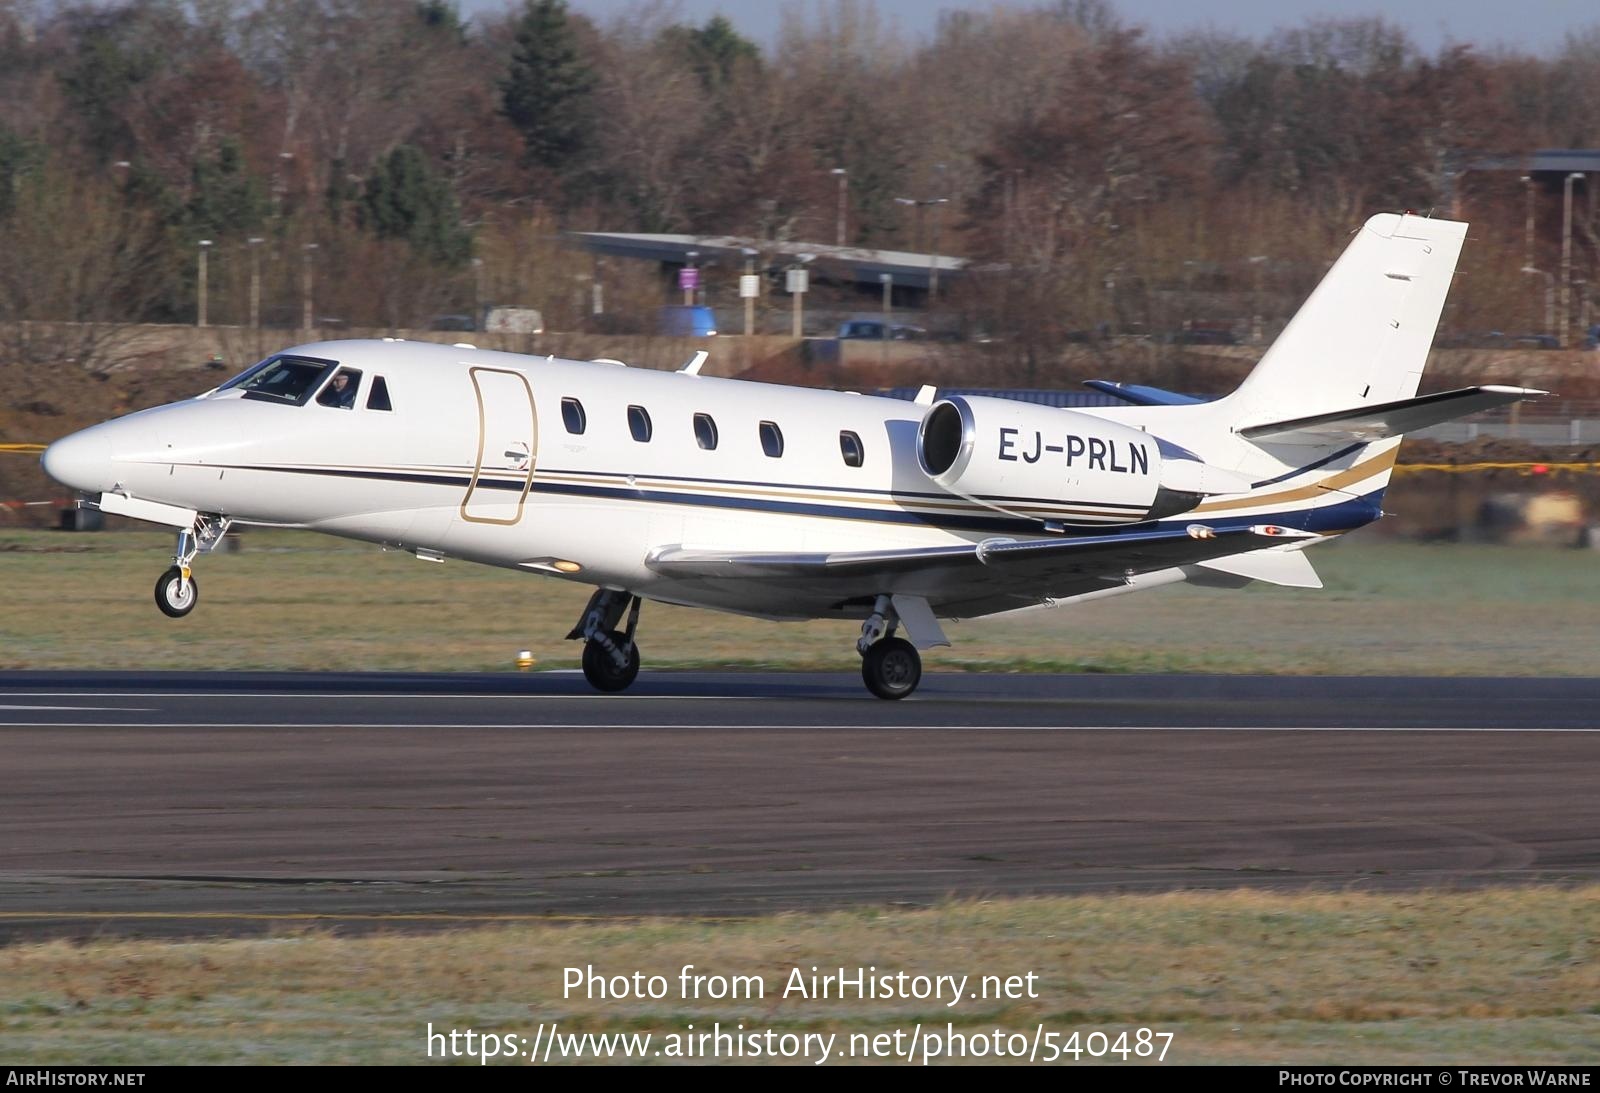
[[1535, 26]]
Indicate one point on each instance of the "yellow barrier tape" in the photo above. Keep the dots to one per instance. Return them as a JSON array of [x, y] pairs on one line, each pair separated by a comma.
[[22, 449], [1520, 468]]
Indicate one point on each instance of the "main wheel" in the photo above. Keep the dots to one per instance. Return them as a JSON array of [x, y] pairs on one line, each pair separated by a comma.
[[176, 594], [892, 668], [601, 670]]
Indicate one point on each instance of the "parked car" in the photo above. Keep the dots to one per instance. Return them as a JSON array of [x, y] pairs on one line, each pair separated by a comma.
[[875, 329], [501, 319], [687, 321]]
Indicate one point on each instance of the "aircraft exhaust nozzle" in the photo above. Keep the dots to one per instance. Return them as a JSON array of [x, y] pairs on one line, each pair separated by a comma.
[[1192, 476]]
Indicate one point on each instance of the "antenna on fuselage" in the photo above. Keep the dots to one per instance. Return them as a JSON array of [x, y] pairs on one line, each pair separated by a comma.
[[693, 367]]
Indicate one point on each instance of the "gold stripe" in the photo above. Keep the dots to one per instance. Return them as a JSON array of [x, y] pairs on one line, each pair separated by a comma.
[[1378, 464], [22, 449]]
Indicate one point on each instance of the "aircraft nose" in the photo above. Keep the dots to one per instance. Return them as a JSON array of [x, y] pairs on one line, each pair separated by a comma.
[[81, 461]]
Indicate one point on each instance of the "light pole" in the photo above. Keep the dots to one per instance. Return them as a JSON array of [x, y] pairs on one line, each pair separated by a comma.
[[933, 259], [1256, 261], [1527, 228], [916, 239], [279, 186], [749, 286], [1549, 296], [690, 278], [799, 282], [254, 243], [888, 309], [307, 253], [844, 200], [1566, 257], [200, 315]]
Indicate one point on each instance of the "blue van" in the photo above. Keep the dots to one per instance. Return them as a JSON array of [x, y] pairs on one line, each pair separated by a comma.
[[687, 321]]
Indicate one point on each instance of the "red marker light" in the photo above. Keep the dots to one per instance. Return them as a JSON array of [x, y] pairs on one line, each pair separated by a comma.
[[1540, 468]]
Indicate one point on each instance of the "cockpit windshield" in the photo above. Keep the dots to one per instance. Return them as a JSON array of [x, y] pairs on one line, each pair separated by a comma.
[[282, 379]]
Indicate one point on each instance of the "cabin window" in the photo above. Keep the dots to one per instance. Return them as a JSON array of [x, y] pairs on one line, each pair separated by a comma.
[[850, 448], [705, 432], [639, 423], [771, 439], [282, 379], [572, 416], [378, 397], [340, 391]]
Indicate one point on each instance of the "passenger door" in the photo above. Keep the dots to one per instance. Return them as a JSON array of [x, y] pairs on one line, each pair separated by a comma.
[[508, 436]]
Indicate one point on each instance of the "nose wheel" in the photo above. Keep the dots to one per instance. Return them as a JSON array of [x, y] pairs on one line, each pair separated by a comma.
[[177, 592]]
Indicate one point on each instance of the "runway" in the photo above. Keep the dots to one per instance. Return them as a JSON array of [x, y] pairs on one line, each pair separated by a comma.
[[183, 805]]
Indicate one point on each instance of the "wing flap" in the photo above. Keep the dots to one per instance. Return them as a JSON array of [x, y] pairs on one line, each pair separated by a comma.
[[1362, 423]]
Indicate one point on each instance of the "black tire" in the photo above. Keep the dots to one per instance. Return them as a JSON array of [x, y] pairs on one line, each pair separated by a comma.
[[892, 668], [602, 672], [175, 596]]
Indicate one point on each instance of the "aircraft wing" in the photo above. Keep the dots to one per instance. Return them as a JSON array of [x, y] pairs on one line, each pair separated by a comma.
[[1003, 572]]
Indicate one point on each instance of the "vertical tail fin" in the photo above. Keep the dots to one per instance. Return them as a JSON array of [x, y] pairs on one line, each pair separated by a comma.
[[1362, 338]]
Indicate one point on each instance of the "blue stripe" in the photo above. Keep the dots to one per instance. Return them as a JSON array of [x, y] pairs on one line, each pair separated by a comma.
[[1344, 516], [1323, 462]]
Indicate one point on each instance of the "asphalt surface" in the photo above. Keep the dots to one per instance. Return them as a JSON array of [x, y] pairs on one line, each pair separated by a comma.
[[197, 804]]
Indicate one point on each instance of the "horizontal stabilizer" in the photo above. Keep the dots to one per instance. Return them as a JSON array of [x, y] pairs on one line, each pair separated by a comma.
[[1363, 423], [1290, 568], [1140, 395]]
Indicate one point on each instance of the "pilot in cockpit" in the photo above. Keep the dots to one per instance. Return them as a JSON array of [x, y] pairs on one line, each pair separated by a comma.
[[341, 392]]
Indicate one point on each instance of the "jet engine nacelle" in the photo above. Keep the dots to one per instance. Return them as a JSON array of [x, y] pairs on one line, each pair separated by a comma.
[[1048, 464]]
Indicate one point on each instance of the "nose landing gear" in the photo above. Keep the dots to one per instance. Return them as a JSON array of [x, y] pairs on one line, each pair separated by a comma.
[[177, 591], [610, 656]]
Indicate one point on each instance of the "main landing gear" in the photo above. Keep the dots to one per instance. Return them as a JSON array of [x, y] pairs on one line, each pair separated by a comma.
[[177, 591], [610, 656], [891, 667]]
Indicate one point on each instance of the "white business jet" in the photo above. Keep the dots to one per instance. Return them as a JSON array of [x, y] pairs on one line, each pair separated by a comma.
[[789, 503]]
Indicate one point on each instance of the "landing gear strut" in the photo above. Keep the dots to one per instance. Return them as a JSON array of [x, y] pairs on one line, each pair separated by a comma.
[[891, 667], [177, 591], [610, 656]]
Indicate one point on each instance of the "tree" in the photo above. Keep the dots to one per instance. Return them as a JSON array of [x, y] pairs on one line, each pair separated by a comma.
[[714, 52], [548, 91], [404, 199], [226, 199]]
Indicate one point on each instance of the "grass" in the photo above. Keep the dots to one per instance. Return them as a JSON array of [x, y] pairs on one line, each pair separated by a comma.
[[1503, 976], [297, 601], [1498, 976]]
